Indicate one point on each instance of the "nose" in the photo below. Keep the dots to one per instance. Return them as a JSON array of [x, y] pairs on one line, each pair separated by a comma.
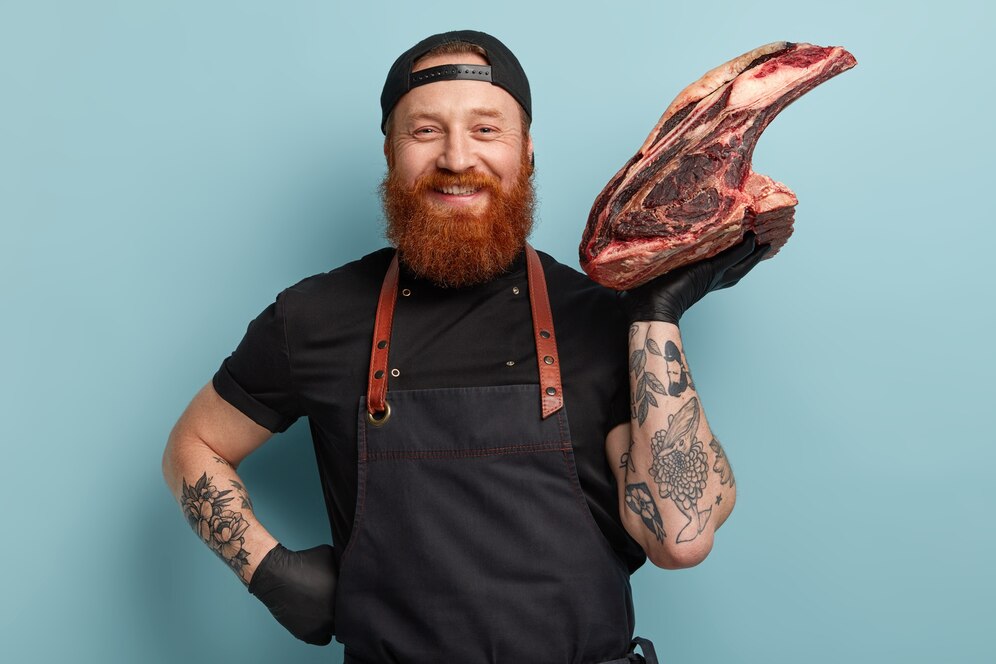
[[458, 154]]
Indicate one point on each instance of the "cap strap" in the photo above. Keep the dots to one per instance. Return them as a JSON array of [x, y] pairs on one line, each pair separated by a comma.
[[450, 73]]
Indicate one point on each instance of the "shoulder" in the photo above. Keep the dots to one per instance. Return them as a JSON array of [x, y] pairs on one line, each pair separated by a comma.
[[342, 286], [566, 283], [584, 312]]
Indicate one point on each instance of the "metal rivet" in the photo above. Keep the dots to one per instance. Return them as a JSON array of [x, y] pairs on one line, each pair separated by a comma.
[[551, 391], [548, 359], [510, 363], [382, 344], [515, 290], [406, 291], [395, 373], [544, 334], [379, 421], [378, 374]]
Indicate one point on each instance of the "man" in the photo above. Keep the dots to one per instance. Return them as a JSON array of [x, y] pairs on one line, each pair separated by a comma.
[[495, 463]]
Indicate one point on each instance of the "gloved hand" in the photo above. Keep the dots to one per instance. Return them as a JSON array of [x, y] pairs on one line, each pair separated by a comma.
[[668, 296], [298, 587]]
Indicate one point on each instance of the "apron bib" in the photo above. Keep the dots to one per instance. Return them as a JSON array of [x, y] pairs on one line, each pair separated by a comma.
[[472, 541]]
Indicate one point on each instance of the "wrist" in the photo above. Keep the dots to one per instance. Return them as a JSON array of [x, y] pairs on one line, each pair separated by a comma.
[[261, 572], [666, 329]]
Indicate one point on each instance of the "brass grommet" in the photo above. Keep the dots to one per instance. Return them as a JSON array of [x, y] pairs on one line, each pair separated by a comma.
[[379, 422], [515, 290], [552, 391], [406, 291], [510, 363], [395, 373], [548, 360]]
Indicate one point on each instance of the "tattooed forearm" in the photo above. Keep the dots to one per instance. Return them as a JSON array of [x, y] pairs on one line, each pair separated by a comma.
[[639, 500], [672, 454], [680, 467], [626, 459], [678, 377], [722, 464], [646, 383], [246, 502], [222, 529]]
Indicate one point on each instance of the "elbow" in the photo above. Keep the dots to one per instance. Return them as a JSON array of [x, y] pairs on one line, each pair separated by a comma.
[[169, 464], [684, 554], [180, 451], [166, 465]]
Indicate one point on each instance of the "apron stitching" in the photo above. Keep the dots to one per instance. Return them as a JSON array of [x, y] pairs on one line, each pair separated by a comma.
[[363, 535], [388, 455]]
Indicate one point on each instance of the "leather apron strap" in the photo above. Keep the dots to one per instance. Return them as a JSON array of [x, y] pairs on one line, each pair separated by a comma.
[[551, 389], [548, 361], [377, 408]]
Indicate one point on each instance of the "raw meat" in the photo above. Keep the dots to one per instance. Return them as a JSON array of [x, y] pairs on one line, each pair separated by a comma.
[[689, 192]]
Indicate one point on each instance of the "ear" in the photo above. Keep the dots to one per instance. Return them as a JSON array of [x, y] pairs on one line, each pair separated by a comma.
[[529, 149]]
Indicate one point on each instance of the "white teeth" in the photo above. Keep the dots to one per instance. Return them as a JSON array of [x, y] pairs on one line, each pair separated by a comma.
[[458, 191]]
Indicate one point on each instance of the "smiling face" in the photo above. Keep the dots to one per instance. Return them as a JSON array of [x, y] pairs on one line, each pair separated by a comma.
[[458, 196], [458, 127]]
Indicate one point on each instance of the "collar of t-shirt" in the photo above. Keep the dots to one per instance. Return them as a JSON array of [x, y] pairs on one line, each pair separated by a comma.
[[515, 271]]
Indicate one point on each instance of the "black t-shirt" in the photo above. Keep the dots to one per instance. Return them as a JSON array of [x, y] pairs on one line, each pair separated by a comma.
[[308, 353]]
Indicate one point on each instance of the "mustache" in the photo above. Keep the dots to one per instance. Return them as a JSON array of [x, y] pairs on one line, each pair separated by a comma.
[[443, 179]]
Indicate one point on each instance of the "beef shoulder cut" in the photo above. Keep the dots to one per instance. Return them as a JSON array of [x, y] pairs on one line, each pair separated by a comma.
[[689, 192]]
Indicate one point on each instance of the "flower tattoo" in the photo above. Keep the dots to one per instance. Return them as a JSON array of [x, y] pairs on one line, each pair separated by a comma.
[[639, 500], [222, 529], [680, 467]]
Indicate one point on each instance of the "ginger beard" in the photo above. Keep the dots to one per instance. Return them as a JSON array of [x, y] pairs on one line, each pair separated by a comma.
[[455, 247]]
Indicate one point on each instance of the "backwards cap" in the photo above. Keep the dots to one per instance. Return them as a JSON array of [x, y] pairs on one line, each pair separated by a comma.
[[504, 70]]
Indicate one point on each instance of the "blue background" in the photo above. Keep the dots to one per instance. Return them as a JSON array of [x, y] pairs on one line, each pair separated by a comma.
[[167, 167]]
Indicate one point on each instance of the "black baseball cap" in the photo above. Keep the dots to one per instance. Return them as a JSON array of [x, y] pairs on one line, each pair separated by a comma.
[[504, 70]]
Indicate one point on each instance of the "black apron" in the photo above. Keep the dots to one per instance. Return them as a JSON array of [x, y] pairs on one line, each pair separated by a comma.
[[472, 541]]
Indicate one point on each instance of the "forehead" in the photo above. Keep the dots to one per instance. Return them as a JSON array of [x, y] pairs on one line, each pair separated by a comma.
[[452, 99], [449, 59]]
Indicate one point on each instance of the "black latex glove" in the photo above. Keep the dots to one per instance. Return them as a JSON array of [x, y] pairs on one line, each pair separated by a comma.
[[668, 296], [298, 587]]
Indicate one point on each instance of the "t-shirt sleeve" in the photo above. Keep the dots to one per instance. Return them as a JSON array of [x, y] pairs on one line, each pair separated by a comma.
[[256, 378], [619, 409]]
